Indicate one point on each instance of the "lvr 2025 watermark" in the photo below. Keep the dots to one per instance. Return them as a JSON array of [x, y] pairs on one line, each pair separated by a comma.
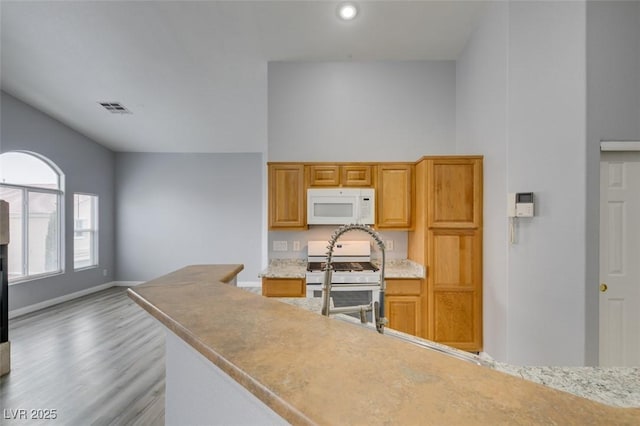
[[29, 414]]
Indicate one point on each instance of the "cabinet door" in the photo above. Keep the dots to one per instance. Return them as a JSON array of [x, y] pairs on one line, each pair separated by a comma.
[[324, 175], [328, 175], [283, 287], [455, 283], [405, 305], [355, 175], [454, 193], [403, 313], [394, 194], [287, 198]]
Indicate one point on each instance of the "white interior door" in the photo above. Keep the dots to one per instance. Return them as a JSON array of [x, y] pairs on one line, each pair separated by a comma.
[[620, 259]]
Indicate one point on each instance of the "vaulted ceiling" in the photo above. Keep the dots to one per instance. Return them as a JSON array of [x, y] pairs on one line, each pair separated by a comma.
[[193, 74]]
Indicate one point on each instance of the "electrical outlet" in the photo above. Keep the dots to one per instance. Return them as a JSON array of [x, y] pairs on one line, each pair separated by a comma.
[[296, 246], [389, 245], [280, 246], [104, 272]]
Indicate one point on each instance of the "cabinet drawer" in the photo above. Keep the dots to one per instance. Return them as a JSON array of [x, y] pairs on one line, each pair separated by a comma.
[[399, 286], [284, 287]]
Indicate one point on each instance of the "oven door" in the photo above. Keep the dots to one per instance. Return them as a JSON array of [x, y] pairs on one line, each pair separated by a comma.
[[348, 295]]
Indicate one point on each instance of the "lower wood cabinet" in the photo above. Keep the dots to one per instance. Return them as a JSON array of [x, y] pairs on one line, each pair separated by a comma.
[[455, 288], [404, 305], [284, 287]]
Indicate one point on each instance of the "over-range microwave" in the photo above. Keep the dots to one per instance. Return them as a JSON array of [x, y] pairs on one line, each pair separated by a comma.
[[340, 206]]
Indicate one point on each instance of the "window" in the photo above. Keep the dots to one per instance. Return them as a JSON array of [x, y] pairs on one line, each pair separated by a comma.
[[85, 231], [32, 185]]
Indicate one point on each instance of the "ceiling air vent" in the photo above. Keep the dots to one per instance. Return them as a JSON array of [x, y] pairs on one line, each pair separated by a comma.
[[115, 107]]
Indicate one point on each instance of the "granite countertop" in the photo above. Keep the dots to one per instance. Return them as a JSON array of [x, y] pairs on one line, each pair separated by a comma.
[[401, 268], [616, 386], [285, 268], [296, 268], [311, 369]]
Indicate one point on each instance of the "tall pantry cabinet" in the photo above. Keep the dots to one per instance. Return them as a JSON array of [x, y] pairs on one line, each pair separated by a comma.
[[447, 239]]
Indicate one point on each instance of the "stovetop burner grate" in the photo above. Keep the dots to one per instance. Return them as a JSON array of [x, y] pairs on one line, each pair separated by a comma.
[[343, 267]]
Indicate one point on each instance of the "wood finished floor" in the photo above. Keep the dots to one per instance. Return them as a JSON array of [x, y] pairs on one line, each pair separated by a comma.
[[97, 360]]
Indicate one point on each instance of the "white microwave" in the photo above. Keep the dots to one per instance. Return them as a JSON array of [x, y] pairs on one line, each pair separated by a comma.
[[340, 206]]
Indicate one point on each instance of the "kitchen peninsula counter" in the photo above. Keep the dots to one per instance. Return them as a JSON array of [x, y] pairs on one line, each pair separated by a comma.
[[311, 369]]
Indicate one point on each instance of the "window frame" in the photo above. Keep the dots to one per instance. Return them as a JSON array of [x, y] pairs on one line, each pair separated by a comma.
[[60, 199], [95, 204], [26, 190]]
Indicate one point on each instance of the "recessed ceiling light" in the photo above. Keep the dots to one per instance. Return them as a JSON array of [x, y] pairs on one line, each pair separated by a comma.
[[347, 11]]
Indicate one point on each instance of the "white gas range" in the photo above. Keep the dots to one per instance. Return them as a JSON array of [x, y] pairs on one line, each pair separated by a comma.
[[355, 280]]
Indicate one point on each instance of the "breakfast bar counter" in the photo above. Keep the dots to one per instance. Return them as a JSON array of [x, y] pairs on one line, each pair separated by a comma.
[[308, 369]]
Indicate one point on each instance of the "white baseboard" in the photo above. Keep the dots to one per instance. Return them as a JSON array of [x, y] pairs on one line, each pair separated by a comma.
[[37, 306], [45, 304], [250, 284], [127, 283]]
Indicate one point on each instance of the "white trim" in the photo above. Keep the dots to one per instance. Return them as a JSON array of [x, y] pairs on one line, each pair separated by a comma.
[[127, 283], [620, 146], [45, 304], [250, 284], [57, 300]]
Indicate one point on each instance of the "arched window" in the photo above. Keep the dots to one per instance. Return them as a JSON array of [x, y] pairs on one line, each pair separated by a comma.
[[33, 187]]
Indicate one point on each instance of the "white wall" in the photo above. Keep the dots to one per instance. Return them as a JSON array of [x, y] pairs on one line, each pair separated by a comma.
[[522, 102], [175, 210], [546, 155], [360, 111], [88, 168], [613, 113], [481, 117]]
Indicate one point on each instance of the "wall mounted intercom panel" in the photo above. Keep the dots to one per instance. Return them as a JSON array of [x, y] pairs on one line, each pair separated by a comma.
[[520, 204]]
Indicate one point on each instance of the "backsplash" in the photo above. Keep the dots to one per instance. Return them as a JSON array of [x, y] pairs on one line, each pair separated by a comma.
[[296, 242]]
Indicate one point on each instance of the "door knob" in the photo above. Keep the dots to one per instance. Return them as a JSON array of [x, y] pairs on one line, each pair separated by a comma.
[[603, 287]]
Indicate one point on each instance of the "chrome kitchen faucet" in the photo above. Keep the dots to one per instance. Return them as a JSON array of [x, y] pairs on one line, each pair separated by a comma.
[[376, 306]]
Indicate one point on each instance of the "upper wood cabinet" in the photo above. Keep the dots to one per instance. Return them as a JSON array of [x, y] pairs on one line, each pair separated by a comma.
[[454, 193], [287, 198], [394, 194], [334, 175]]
